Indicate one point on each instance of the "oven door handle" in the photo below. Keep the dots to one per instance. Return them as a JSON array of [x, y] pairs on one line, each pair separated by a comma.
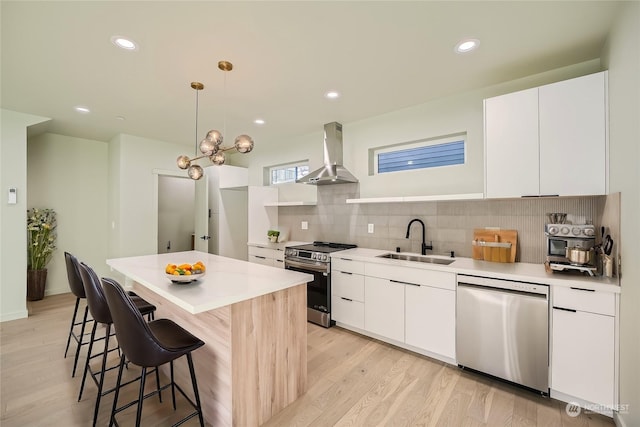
[[306, 266]]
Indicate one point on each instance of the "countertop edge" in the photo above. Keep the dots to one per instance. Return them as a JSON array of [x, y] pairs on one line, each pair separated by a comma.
[[518, 271]]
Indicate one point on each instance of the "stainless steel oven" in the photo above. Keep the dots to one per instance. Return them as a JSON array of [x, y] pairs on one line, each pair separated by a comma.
[[314, 259]]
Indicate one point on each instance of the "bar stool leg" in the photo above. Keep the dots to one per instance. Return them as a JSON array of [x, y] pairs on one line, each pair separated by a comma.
[[102, 374], [117, 392], [195, 388], [141, 396], [84, 323], [173, 386], [86, 365], [73, 322]]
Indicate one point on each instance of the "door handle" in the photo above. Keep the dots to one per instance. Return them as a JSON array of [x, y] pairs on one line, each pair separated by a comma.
[[205, 237]]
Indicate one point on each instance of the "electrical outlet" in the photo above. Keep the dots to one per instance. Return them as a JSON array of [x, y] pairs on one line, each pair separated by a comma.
[[370, 228], [304, 225]]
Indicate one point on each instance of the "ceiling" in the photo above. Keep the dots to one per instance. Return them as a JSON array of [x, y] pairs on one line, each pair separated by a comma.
[[381, 57]]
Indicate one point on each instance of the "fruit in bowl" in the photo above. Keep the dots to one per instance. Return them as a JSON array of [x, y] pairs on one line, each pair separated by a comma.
[[185, 269]]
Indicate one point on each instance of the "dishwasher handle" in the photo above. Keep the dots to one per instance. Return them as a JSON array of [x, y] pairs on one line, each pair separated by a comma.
[[506, 285]]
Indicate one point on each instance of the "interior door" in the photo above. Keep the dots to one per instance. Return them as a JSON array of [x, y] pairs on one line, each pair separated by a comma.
[[176, 201], [201, 238]]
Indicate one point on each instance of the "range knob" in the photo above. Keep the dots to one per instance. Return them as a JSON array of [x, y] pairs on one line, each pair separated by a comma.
[[553, 230], [325, 257], [589, 232], [564, 230], [314, 255], [576, 231]]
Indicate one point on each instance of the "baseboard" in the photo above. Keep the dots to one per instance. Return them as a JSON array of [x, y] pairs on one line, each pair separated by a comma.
[[618, 420], [15, 315]]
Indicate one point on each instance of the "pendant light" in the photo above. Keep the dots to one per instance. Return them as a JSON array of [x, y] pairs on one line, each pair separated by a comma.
[[211, 146]]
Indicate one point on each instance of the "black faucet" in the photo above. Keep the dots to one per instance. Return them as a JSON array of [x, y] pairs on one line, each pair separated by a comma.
[[424, 243]]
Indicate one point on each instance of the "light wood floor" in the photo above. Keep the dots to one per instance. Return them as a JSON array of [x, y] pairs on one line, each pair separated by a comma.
[[353, 381]]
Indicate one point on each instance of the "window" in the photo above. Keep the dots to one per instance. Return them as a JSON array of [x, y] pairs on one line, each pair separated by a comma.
[[431, 153], [288, 173]]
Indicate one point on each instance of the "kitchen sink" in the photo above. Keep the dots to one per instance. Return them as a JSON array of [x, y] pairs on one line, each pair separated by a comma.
[[418, 258]]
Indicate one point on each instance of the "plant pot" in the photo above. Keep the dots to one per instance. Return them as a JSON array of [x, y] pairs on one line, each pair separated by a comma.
[[36, 280]]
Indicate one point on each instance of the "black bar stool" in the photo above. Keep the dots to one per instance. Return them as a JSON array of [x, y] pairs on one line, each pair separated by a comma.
[[75, 283], [101, 314], [149, 345]]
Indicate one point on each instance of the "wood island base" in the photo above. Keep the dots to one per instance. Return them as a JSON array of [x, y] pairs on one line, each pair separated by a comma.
[[254, 362]]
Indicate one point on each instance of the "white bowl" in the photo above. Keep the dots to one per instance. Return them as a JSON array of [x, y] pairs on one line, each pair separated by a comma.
[[184, 278]]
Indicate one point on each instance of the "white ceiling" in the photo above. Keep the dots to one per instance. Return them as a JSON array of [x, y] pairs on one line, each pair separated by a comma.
[[381, 56]]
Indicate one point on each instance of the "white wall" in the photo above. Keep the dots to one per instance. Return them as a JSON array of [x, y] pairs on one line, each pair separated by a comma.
[[13, 218], [455, 114], [69, 175], [622, 58], [132, 200]]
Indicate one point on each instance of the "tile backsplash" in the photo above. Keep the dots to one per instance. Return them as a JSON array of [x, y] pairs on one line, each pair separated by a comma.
[[449, 224]]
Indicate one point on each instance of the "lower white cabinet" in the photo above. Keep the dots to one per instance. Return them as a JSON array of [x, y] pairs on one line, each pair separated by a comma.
[[583, 345], [384, 308], [430, 319], [347, 292], [273, 257]]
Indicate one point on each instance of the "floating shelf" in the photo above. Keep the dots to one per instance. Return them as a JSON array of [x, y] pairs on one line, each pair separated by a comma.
[[408, 199], [295, 203]]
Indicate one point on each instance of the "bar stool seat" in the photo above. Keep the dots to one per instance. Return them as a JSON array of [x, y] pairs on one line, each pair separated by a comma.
[[149, 345], [102, 315]]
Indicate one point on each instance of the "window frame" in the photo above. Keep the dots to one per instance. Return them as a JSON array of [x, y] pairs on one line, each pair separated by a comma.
[[283, 167]]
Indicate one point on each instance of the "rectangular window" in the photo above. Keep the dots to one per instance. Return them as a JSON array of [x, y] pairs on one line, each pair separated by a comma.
[[421, 155], [287, 173]]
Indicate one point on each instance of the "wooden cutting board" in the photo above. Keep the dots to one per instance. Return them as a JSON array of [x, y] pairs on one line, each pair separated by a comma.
[[494, 244]]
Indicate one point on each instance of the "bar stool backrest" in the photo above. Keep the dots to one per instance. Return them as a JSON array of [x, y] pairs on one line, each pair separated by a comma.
[[137, 342], [95, 296], [73, 275]]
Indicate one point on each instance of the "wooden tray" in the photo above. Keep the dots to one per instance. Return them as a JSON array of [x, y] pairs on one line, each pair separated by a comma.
[[494, 244]]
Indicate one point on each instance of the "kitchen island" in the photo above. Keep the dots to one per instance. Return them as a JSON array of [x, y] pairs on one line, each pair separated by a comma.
[[253, 320]]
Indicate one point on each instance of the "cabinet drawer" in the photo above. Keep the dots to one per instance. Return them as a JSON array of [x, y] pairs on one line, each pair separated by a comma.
[[346, 264], [347, 285], [258, 259], [418, 276], [278, 263], [584, 300], [347, 312], [278, 254], [260, 251]]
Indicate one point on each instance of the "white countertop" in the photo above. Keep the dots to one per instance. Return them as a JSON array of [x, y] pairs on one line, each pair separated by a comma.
[[519, 271], [227, 280]]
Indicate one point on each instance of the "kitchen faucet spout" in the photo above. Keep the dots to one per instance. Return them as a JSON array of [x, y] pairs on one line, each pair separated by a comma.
[[424, 246]]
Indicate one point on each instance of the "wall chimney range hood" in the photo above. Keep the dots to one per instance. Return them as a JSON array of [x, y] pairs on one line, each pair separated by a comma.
[[332, 172]]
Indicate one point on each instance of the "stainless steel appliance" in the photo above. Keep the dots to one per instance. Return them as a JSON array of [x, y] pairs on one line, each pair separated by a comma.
[[314, 259], [502, 329], [570, 247]]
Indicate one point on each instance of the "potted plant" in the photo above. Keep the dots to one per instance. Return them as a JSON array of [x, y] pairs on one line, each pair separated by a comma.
[[41, 242], [272, 235]]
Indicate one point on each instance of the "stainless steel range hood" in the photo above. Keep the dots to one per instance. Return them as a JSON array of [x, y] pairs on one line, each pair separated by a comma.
[[332, 172]]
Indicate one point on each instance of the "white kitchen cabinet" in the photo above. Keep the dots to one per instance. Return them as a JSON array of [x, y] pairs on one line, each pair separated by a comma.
[[537, 140], [384, 308], [271, 256], [583, 345], [430, 319], [347, 292], [511, 145], [573, 131]]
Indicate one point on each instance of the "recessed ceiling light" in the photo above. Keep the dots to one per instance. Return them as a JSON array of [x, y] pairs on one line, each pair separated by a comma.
[[258, 121], [467, 45], [82, 109], [124, 43], [332, 95]]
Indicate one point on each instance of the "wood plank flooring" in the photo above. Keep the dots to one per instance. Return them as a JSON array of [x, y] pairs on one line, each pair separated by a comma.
[[353, 381]]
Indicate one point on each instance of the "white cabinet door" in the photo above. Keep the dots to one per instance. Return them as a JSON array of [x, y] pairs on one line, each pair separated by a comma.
[[582, 361], [430, 322], [573, 136], [511, 145], [384, 308], [347, 311]]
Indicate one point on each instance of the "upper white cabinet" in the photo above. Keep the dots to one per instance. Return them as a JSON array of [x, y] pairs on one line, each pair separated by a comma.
[[537, 140], [511, 144]]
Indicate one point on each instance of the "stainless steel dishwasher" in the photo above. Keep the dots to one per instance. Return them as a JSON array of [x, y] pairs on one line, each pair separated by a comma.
[[502, 329]]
